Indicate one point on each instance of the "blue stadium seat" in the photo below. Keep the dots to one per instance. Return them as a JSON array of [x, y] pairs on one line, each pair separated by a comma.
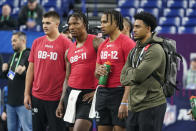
[[151, 4], [192, 4], [190, 13], [128, 11], [166, 29], [177, 4], [169, 21], [167, 12], [186, 21], [128, 3], [51, 3], [187, 30], [154, 11]]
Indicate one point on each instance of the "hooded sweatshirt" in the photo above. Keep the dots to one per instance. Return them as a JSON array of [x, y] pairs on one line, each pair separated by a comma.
[[145, 92]]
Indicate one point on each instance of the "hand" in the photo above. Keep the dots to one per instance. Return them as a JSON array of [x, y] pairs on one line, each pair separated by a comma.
[[20, 69], [101, 70], [191, 113], [59, 110], [4, 67], [123, 111], [88, 97], [4, 116], [27, 102], [31, 24]]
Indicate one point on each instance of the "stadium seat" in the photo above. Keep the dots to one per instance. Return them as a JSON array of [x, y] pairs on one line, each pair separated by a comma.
[[177, 4], [128, 11], [154, 11], [192, 4], [128, 3], [167, 12], [190, 13], [166, 29], [169, 21], [186, 21], [151, 4], [187, 30]]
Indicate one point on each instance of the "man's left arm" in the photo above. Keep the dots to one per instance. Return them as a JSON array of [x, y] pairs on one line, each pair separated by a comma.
[[151, 61]]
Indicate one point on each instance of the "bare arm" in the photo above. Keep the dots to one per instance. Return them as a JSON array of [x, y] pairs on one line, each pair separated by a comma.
[[28, 85], [60, 108], [96, 42], [68, 71]]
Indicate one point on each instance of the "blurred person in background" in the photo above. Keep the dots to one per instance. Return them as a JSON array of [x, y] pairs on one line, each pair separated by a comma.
[[15, 71], [31, 15], [189, 79], [128, 27], [7, 22]]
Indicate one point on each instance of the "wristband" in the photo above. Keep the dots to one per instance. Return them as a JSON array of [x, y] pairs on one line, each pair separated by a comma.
[[122, 103]]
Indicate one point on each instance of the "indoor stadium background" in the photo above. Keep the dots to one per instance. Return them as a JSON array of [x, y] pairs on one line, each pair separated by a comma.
[[176, 19]]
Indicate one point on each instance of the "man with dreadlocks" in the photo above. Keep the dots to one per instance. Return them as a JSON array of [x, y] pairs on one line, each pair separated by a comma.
[[80, 82], [111, 100]]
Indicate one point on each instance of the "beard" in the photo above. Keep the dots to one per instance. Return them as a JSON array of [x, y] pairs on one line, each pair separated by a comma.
[[16, 49]]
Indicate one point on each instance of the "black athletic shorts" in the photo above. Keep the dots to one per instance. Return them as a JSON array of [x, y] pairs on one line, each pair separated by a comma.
[[44, 116], [82, 107], [107, 105]]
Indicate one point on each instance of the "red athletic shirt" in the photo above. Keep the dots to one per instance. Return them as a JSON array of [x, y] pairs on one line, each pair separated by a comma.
[[116, 52], [83, 62], [49, 67]]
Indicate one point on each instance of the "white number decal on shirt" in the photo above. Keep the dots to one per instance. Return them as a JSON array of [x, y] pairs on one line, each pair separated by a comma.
[[76, 57], [44, 55], [106, 54]]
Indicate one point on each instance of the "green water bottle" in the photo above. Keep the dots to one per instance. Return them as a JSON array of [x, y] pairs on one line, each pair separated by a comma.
[[103, 79], [193, 105]]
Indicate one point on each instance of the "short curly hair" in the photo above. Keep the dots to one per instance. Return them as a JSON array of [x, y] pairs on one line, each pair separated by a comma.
[[147, 18]]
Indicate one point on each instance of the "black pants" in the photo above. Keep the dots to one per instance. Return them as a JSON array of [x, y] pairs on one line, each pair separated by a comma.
[[147, 120], [44, 116], [3, 125]]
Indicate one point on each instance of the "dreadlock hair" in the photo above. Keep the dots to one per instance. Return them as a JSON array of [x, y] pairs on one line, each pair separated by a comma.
[[116, 15], [147, 18], [81, 16]]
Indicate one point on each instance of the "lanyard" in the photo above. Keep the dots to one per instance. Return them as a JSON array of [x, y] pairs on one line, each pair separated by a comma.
[[14, 59], [139, 58]]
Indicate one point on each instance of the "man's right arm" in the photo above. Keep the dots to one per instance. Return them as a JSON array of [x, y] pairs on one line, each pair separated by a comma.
[[28, 85], [60, 108]]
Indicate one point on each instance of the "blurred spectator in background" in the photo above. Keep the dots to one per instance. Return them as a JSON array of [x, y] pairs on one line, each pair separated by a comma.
[[31, 15], [7, 22], [65, 32], [3, 118], [128, 27], [189, 79], [15, 70]]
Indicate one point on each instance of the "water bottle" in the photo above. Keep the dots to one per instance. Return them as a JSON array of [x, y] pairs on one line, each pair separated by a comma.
[[103, 79], [193, 105]]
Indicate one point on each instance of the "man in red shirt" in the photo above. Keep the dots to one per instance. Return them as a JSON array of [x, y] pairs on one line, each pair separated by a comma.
[[111, 100], [46, 74], [81, 62]]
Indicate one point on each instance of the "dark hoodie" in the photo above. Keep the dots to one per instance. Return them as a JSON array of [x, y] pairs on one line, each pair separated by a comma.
[[145, 91], [17, 85]]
